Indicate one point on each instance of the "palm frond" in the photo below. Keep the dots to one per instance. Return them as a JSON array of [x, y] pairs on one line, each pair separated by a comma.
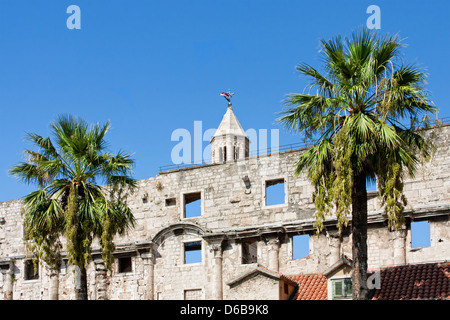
[[30, 174], [357, 119], [69, 202], [45, 145]]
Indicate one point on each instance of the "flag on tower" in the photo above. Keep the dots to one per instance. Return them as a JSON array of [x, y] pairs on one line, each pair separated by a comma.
[[227, 95]]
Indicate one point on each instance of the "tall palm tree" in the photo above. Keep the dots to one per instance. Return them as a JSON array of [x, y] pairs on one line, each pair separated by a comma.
[[356, 117], [69, 201]]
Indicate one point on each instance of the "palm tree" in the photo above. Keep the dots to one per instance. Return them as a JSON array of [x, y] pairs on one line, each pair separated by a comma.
[[356, 120], [69, 201]]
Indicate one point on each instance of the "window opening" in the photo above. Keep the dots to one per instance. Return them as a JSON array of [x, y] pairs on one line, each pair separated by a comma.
[[192, 205], [193, 252], [194, 294], [31, 271], [300, 246], [275, 192], [342, 288], [249, 252], [171, 202], [125, 265], [420, 234]]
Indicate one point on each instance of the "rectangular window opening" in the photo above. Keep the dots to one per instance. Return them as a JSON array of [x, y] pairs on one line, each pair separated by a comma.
[[249, 252], [193, 252], [125, 265], [194, 294], [224, 154], [192, 205], [31, 271], [170, 202], [300, 246], [420, 234], [275, 192]]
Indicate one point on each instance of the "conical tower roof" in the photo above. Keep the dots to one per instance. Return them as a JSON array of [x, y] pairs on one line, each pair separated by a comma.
[[230, 125]]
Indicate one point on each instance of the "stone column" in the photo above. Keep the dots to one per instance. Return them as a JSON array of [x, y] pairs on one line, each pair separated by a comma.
[[217, 271], [8, 282], [100, 279], [54, 285], [399, 240], [148, 259], [274, 248], [334, 242], [230, 150], [241, 146]]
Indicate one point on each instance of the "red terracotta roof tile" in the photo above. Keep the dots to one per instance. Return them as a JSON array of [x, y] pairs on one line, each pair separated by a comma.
[[418, 281], [312, 286]]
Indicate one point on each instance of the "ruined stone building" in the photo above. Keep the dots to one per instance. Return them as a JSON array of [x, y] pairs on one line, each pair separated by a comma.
[[238, 245]]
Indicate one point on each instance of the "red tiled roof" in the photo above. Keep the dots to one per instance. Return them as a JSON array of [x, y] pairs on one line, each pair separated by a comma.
[[418, 281], [408, 282], [312, 286]]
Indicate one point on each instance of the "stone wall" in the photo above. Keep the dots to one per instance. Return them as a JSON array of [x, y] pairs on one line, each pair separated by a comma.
[[268, 288], [234, 210]]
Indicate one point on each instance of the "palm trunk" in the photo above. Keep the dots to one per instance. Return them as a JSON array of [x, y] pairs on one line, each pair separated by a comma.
[[81, 284], [359, 234]]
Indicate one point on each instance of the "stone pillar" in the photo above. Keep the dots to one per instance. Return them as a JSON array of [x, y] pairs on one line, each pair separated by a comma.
[[334, 242], [8, 283], [230, 149], [148, 259], [100, 279], [274, 248], [241, 146], [399, 241], [217, 271], [54, 285]]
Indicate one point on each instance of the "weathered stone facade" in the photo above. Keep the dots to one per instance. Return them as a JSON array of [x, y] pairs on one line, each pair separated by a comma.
[[233, 213]]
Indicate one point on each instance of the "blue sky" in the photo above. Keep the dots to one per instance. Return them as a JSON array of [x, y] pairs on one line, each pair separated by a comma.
[[151, 67]]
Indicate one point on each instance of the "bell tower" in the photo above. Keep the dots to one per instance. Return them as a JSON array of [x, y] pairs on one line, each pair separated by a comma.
[[230, 142]]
